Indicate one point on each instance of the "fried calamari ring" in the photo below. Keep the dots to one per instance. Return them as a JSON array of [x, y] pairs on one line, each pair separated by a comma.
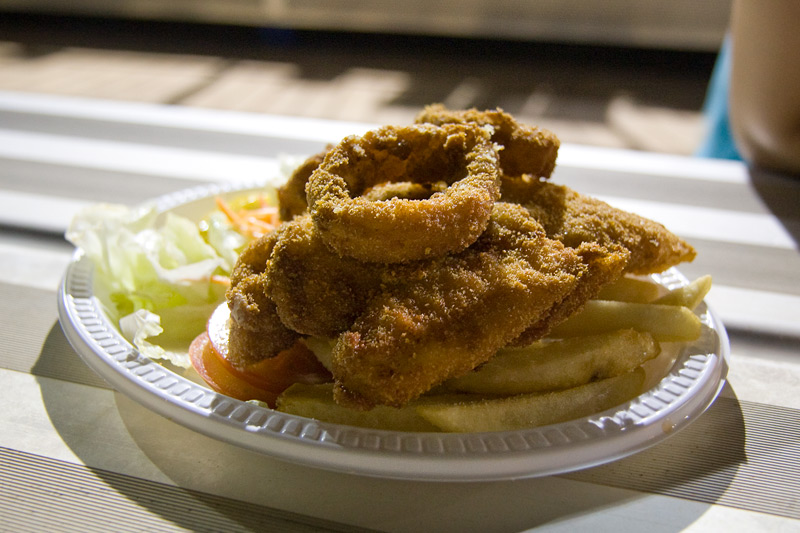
[[292, 195], [526, 149], [399, 229], [404, 189]]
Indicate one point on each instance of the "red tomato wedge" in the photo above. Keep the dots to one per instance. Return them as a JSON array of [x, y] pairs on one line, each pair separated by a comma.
[[262, 381]]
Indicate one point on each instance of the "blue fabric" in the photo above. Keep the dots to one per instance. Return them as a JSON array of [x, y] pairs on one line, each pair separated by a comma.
[[719, 142]]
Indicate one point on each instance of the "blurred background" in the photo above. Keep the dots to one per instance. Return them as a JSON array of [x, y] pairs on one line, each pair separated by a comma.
[[614, 73]]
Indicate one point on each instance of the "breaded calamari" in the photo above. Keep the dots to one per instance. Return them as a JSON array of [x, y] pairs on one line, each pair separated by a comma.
[[399, 229], [523, 149], [292, 195]]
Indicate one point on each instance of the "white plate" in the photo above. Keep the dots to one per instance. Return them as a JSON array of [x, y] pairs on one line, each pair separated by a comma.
[[691, 385]]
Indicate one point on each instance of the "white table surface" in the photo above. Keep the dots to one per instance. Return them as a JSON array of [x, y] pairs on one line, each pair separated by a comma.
[[76, 455]]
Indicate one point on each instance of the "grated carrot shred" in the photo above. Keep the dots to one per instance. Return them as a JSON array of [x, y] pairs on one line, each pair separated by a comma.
[[220, 280], [252, 223]]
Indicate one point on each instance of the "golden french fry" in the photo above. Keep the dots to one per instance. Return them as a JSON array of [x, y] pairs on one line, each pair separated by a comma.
[[532, 410], [667, 323], [627, 289], [560, 364], [322, 348], [689, 295], [316, 401]]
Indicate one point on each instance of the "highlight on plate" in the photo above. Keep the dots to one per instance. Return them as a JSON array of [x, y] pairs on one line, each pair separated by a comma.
[[425, 277]]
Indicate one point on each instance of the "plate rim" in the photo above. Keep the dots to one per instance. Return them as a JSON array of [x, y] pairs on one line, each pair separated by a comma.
[[691, 386]]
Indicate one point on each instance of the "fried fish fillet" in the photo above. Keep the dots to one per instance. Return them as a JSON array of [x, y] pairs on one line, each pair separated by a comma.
[[574, 219], [606, 264], [404, 328], [256, 330], [441, 318], [580, 221], [316, 291]]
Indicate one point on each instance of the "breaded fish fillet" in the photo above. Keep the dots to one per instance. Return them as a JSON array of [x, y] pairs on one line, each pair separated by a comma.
[[606, 264], [441, 318], [574, 219], [256, 331], [316, 291]]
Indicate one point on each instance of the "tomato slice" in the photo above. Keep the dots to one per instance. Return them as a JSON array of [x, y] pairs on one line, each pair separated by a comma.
[[262, 381]]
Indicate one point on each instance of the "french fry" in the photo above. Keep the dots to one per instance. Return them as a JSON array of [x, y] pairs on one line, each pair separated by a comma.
[[322, 349], [689, 295], [532, 410], [627, 289], [561, 364], [667, 323], [316, 401]]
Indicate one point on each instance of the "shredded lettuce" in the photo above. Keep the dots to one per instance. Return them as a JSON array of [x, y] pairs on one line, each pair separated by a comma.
[[154, 274], [223, 238]]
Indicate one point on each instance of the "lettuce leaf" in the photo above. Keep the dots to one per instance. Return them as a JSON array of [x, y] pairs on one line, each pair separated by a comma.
[[154, 273]]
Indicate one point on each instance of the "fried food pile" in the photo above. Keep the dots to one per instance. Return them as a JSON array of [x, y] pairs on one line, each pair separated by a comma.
[[424, 249]]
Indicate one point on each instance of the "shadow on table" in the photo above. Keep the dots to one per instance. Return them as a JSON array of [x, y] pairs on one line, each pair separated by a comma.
[[214, 478], [698, 464], [781, 195]]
